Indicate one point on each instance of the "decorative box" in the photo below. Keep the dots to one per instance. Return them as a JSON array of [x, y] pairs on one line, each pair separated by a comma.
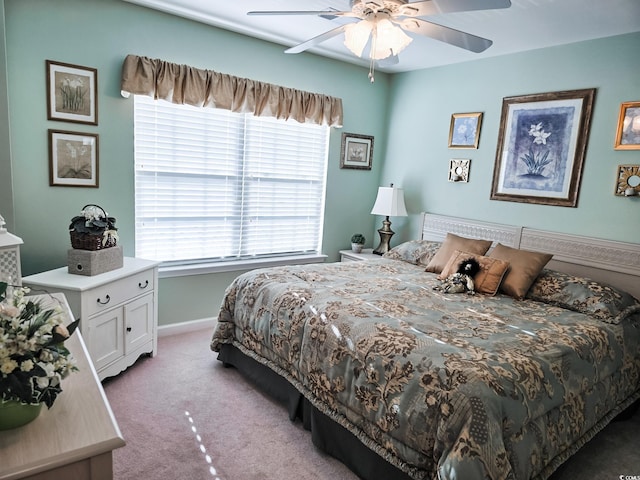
[[94, 262]]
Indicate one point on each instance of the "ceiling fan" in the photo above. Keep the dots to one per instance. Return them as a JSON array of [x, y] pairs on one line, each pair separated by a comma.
[[385, 23]]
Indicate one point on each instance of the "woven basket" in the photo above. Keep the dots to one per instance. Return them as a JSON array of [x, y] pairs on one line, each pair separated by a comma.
[[86, 241]]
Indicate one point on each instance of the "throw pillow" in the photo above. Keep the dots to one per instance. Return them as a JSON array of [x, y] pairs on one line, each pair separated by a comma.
[[488, 279], [417, 252], [451, 244], [524, 268], [583, 295]]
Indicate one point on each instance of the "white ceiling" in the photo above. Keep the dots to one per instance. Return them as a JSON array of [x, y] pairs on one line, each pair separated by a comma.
[[526, 25]]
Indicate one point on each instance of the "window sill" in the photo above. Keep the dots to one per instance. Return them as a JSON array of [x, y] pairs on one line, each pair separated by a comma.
[[237, 265]]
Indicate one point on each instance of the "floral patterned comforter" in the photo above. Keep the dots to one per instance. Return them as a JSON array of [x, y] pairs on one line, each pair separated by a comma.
[[442, 386]]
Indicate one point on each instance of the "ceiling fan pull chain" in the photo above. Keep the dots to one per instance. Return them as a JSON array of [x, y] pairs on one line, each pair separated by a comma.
[[374, 41]]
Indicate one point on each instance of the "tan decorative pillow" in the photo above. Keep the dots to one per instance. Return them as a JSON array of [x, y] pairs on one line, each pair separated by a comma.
[[488, 279], [451, 244], [525, 267]]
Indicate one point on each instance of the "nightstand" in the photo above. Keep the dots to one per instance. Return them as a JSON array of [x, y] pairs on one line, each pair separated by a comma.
[[351, 256], [118, 310]]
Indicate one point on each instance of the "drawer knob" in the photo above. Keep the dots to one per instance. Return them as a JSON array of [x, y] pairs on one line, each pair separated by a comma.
[[128, 329], [107, 299], [143, 285]]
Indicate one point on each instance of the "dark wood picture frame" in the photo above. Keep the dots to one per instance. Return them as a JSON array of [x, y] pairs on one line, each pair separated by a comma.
[[72, 93], [356, 151], [541, 147], [73, 159]]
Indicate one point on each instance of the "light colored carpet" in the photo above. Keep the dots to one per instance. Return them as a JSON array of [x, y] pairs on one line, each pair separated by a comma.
[[177, 413]]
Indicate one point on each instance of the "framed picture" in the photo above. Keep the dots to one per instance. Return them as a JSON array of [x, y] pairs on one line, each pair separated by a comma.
[[356, 152], [628, 180], [541, 146], [71, 93], [628, 132], [459, 170], [464, 131], [73, 159]]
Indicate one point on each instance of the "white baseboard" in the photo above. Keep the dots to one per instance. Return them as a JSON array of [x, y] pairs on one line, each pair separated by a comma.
[[185, 327]]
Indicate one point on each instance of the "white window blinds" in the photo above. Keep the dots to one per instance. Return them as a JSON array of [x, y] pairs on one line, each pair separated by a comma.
[[213, 185]]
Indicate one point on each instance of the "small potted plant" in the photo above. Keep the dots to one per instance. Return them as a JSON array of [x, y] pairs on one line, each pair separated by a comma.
[[357, 242], [93, 229]]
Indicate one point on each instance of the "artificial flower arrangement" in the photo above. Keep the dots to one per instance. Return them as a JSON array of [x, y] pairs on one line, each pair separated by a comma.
[[33, 358], [93, 229]]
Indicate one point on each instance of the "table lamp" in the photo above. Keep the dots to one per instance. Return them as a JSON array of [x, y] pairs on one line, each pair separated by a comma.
[[390, 203]]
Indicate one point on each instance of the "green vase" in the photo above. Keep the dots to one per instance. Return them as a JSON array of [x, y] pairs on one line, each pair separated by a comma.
[[14, 414]]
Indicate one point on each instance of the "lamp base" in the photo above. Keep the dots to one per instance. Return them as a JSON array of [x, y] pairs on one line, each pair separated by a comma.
[[385, 237]]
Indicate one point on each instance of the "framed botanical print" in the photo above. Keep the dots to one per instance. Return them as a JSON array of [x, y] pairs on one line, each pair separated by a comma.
[[357, 151], [541, 146], [73, 159], [464, 131], [72, 93]]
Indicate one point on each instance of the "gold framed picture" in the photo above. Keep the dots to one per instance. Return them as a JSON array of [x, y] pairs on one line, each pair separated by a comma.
[[628, 131], [464, 131]]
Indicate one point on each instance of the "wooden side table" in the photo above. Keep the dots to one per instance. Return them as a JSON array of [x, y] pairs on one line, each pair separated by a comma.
[[75, 438], [351, 256]]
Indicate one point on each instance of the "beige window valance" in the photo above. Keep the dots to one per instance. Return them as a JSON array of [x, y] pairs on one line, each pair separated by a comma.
[[205, 88]]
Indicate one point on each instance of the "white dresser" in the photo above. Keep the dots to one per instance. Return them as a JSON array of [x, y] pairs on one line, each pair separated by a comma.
[[118, 310]]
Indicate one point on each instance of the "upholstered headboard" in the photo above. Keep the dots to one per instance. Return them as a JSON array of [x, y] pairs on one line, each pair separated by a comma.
[[607, 261]]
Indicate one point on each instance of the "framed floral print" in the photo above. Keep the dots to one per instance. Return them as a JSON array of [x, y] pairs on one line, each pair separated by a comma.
[[464, 131], [356, 152], [541, 146], [73, 159], [71, 93], [628, 132]]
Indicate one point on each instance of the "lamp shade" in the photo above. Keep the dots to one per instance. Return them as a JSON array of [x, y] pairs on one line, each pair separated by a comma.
[[389, 202], [387, 39], [356, 36]]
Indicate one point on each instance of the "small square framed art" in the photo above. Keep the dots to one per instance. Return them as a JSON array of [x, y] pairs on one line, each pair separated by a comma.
[[73, 159], [356, 152]]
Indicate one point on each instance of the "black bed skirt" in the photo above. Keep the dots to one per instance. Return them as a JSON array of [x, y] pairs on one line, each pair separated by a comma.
[[327, 435]]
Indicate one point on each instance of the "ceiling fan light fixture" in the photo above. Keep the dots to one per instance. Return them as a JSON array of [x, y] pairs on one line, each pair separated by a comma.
[[356, 36], [389, 40]]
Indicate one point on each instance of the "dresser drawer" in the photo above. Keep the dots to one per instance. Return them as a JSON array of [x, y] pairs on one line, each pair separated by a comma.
[[107, 296]]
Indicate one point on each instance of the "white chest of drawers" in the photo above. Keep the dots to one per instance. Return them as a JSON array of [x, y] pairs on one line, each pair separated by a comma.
[[118, 310]]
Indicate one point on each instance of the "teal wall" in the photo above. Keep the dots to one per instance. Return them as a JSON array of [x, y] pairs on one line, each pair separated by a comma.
[[421, 106], [6, 187], [99, 34], [408, 114]]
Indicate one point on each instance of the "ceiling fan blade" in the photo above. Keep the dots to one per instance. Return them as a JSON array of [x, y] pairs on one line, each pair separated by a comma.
[[446, 34], [316, 40], [303, 12], [434, 7]]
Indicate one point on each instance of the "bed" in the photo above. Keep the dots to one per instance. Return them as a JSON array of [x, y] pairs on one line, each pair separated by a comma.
[[399, 380]]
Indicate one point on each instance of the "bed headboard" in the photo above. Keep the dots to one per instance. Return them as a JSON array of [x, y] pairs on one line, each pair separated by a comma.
[[607, 261]]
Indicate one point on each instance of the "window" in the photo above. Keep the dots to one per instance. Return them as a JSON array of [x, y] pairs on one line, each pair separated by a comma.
[[212, 185]]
